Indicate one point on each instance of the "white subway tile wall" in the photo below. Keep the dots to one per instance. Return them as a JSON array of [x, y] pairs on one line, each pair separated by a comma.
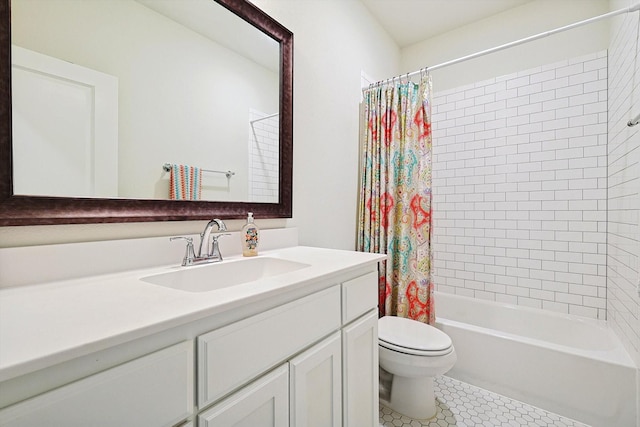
[[263, 158], [623, 304], [520, 187]]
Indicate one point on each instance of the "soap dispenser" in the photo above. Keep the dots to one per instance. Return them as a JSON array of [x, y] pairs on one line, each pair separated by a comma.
[[249, 236]]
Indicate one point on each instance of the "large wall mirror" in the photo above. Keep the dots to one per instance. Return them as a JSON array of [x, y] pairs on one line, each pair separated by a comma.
[[143, 110]]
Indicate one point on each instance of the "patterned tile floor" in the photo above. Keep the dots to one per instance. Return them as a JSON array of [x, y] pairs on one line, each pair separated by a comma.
[[463, 405]]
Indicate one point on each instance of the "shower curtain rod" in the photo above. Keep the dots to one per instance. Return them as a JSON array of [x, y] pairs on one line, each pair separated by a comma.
[[629, 9], [264, 118]]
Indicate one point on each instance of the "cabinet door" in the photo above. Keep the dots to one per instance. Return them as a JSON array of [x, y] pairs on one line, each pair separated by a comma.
[[154, 390], [263, 403], [360, 371], [315, 385]]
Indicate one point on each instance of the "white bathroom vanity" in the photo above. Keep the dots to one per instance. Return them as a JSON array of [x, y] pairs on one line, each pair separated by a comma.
[[280, 347]]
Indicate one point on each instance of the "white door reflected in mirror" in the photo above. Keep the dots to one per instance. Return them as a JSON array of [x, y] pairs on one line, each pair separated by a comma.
[[65, 128]]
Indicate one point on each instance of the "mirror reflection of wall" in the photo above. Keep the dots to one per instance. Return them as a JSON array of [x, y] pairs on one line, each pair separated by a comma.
[[182, 97]]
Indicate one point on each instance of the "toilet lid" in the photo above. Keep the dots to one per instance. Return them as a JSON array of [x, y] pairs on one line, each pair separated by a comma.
[[411, 335]]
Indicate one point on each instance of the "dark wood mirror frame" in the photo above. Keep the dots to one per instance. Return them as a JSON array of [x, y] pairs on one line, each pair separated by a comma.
[[30, 210]]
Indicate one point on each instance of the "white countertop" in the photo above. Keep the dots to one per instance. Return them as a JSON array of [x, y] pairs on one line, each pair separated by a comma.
[[45, 324]]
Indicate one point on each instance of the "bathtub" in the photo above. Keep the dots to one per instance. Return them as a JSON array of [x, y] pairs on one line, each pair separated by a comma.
[[573, 366]]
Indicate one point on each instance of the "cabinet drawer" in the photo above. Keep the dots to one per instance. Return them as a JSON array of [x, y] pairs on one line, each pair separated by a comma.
[[154, 390], [233, 355], [359, 295]]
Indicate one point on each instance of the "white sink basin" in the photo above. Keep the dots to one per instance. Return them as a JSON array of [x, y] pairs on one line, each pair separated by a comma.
[[210, 277]]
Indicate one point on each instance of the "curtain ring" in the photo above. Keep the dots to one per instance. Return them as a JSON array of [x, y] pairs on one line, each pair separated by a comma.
[[424, 73]]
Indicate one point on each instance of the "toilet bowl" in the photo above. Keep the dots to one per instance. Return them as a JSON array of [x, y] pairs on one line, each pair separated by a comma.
[[414, 353]]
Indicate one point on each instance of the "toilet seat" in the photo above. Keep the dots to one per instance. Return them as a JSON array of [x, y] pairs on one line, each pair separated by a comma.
[[412, 337], [414, 352]]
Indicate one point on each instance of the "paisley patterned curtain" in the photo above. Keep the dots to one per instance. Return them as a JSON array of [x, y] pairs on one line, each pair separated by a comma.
[[395, 195]]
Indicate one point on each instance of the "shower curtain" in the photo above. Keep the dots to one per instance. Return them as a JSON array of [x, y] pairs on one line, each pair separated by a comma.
[[395, 195]]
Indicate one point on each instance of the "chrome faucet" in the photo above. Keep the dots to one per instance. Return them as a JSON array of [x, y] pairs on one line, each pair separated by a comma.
[[208, 242], [205, 239]]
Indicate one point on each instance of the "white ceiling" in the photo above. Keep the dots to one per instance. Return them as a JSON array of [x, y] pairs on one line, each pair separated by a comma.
[[411, 21], [216, 23]]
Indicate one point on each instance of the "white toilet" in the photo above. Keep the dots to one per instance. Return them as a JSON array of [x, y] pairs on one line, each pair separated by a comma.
[[414, 353]]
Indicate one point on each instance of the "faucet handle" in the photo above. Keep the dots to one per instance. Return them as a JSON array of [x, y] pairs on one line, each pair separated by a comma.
[[190, 254], [215, 247]]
